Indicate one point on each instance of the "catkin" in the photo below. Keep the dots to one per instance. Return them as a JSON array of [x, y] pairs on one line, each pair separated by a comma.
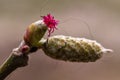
[[73, 49]]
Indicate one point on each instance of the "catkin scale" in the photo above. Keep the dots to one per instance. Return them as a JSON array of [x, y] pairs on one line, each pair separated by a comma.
[[73, 49]]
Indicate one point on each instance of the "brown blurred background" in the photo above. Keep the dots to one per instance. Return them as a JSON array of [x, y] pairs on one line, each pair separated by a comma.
[[102, 16]]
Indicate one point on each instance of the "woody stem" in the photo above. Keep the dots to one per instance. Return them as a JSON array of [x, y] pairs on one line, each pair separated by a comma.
[[15, 60]]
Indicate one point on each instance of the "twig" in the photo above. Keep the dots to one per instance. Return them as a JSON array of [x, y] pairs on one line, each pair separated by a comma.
[[15, 60]]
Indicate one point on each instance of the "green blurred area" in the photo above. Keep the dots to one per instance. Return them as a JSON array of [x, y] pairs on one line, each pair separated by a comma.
[[102, 16]]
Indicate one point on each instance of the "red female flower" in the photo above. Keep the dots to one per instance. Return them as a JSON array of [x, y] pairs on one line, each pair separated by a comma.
[[50, 22]]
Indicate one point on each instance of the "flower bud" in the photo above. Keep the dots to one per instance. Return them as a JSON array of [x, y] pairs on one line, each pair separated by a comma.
[[34, 33], [73, 49], [36, 30]]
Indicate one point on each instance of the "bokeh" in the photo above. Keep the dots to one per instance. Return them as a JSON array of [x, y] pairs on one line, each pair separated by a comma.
[[92, 19]]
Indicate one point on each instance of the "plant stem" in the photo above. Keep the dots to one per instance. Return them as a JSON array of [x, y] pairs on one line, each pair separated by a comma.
[[17, 59], [13, 62]]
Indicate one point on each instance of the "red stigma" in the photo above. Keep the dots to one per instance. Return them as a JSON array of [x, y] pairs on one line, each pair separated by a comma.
[[50, 22]]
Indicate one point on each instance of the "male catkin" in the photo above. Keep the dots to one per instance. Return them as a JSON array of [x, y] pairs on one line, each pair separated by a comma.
[[73, 49]]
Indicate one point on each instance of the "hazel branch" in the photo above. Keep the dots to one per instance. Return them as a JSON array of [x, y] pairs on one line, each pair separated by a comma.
[[15, 60], [19, 56], [58, 47]]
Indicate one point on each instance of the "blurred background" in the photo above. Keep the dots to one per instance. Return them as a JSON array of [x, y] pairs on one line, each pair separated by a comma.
[[102, 16]]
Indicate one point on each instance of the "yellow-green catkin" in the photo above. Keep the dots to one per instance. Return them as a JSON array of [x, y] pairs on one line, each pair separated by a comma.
[[73, 49]]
